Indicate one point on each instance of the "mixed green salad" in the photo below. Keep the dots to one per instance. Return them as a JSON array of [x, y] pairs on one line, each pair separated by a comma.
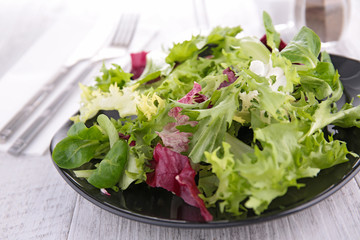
[[219, 120]]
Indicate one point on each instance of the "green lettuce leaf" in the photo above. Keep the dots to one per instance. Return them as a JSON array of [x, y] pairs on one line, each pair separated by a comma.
[[304, 48], [112, 76], [111, 168], [183, 51], [123, 100], [218, 34], [80, 146], [320, 80], [256, 178], [272, 36], [213, 122]]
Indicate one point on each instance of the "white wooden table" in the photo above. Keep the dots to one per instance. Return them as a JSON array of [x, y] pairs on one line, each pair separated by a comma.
[[36, 203]]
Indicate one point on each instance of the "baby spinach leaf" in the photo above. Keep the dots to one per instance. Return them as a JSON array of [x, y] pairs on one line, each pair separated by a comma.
[[80, 146], [73, 152], [79, 130], [111, 168]]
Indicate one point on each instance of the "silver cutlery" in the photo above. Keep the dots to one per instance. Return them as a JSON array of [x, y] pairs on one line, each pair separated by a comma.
[[120, 41], [118, 47]]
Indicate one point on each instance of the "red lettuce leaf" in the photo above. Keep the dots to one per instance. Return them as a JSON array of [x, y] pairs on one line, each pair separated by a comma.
[[282, 44], [173, 172], [231, 78], [199, 98], [189, 97], [173, 138], [126, 137], [138, 63], [170, 135]]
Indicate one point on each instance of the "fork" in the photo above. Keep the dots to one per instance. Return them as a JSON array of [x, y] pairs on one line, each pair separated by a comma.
[[118, 47]]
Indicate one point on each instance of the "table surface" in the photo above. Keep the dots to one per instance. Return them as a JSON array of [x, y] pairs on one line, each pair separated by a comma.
[[36, 203]]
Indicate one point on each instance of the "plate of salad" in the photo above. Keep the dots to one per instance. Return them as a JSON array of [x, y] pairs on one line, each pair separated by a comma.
[[218, 130]]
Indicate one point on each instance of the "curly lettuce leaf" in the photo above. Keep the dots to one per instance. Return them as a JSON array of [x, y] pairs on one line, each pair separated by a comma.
[[218, 34], [150, 105], [273, 103], [112, 76], [171, 136], [180, 52], [258, 177], [123, 100], [213, 122]]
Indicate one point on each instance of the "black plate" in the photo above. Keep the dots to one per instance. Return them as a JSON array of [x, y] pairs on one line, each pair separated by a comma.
[[157, 206]]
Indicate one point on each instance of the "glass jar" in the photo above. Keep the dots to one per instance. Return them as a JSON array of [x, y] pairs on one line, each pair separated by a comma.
[[327, 18]]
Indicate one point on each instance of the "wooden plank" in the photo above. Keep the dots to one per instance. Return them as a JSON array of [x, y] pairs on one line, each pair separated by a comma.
[[91, 222], [35, 202], [337, 217], [333, 218]]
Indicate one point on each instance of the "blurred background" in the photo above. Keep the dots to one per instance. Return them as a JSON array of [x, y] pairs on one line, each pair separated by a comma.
[[23, 22]]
